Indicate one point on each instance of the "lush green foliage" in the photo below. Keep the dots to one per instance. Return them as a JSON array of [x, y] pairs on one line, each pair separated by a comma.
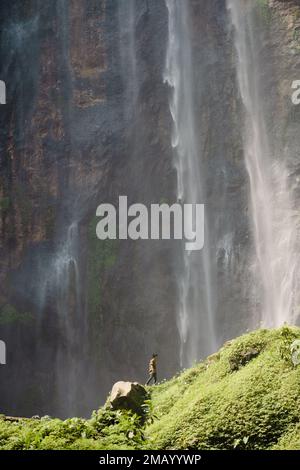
[[247, 396], [253, 406], [105, 430]]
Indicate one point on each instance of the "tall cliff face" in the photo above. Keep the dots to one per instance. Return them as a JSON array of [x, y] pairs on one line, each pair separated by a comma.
[[88, 119], [76, 313]]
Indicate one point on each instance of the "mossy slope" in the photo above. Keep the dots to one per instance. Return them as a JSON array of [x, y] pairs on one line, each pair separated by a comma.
[[247, 396], [223, 404]]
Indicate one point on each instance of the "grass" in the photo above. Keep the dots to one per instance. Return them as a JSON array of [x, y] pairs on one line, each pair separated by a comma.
[[252, 407], [244, 397]]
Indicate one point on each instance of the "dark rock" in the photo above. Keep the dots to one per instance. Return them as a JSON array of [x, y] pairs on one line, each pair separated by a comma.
[[242, 358]]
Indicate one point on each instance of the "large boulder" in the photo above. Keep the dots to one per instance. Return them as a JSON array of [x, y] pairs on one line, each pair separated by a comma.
[[128, 396]]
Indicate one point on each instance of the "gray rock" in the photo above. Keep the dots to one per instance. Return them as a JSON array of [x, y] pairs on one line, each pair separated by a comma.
[[128, 396]]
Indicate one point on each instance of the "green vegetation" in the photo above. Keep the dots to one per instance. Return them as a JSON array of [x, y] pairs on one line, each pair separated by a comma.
[[105, 430], [247, 396], [264, 10], [102, 255], [9, 315], [213, 406], [4, 205]]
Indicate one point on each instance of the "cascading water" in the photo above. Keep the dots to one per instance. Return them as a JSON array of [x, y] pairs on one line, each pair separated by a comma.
[[72, 320], [60, 289], [66, 273], [276, 263], [196, 310]]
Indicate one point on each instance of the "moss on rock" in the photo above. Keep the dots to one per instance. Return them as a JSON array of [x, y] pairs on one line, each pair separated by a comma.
[[9, 315], [210, 406], [251, 407]]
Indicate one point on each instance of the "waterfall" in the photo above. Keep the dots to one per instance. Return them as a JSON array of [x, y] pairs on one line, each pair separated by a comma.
[[67, 285], [196, 295], [66, 273], [60, 293], [276, 262]]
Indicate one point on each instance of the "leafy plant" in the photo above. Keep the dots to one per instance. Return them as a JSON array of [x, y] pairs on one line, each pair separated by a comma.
[[205, 407], [285, 345]]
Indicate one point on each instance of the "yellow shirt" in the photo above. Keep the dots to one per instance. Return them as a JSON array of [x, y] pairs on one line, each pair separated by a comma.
[[152, 365]]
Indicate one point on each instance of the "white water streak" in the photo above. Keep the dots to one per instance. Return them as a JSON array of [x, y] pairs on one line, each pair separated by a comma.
[[276, 260], [196, 310]]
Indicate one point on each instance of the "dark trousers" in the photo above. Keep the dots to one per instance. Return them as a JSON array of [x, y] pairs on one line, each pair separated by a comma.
[[152, 376]]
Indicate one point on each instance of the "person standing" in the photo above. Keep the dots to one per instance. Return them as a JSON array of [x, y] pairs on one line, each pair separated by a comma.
[[152, 369]]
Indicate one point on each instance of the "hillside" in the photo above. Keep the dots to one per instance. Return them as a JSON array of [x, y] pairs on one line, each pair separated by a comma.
[[247, 396]]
